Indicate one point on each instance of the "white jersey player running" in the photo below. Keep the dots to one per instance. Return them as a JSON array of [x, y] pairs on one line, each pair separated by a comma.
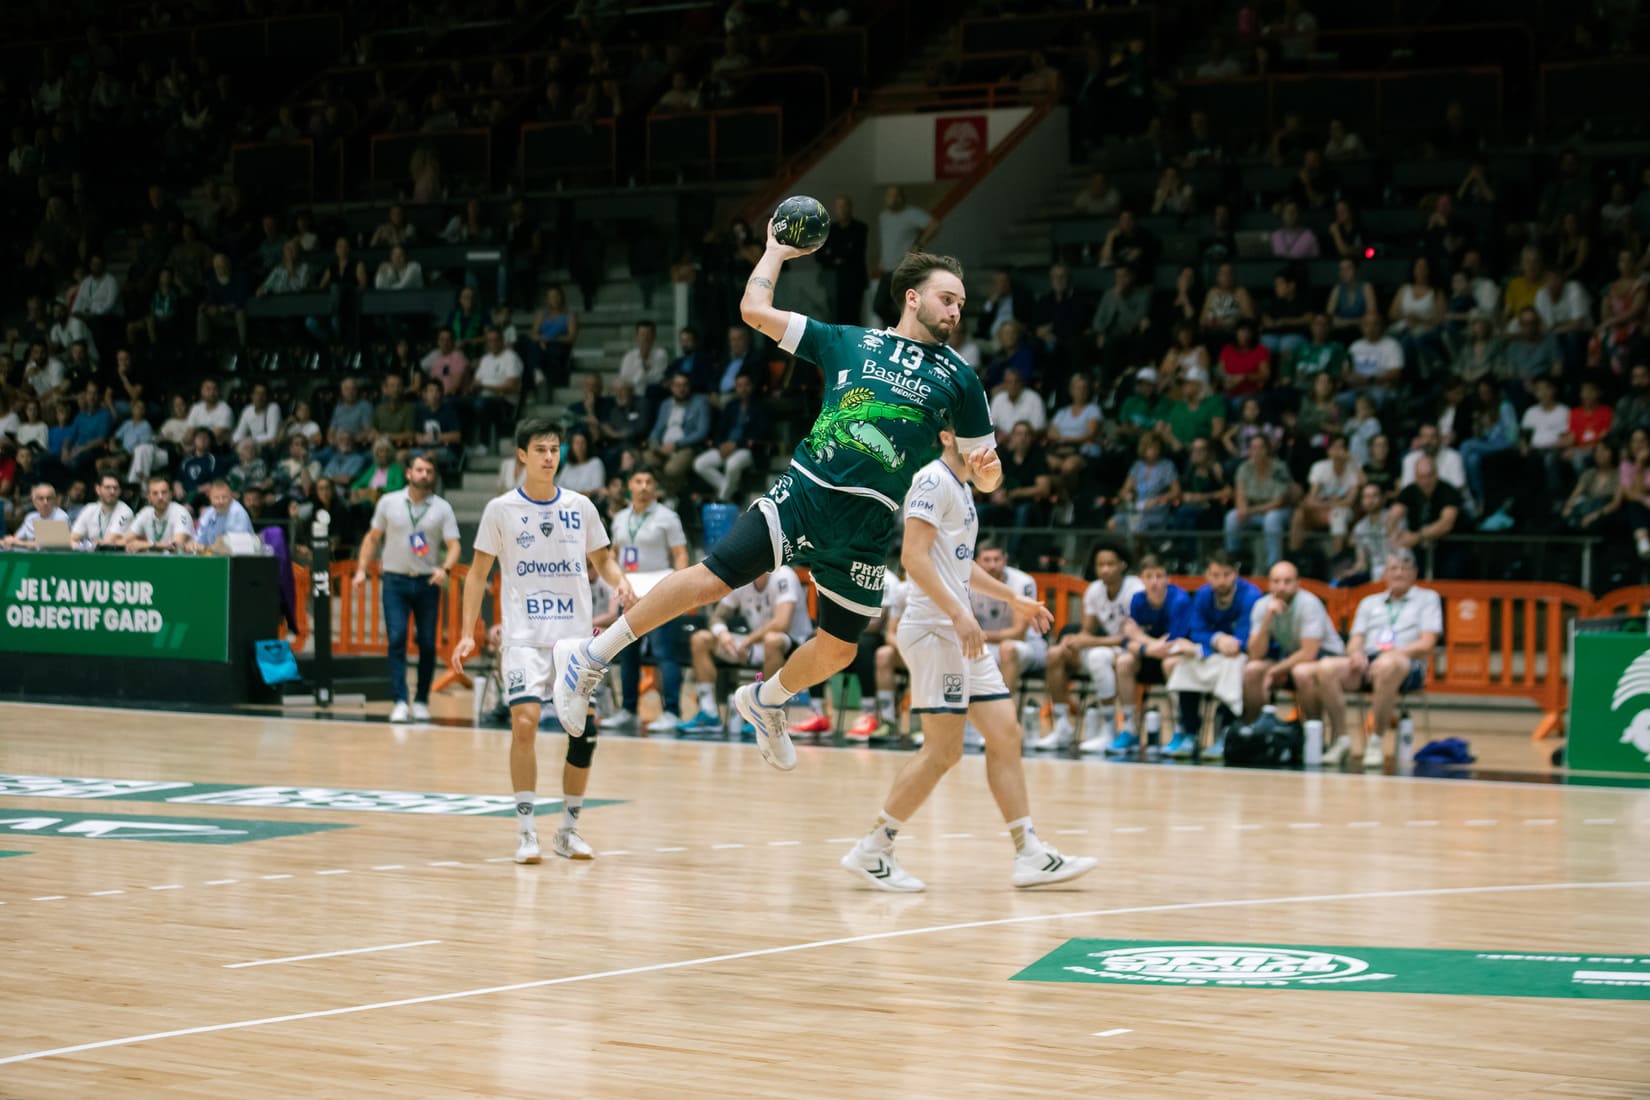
[[952, 676], [543, 537]]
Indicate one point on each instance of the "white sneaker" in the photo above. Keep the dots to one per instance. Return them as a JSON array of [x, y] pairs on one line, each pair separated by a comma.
[[570, 845], [527, 850], [577, 674], [618, 720], [665, 723], [881, 870], [1335, 755], [399, 714], [1374, 755], [1097, 735], [773, 741], [1046, 866], [421, 712], [1058, 738]]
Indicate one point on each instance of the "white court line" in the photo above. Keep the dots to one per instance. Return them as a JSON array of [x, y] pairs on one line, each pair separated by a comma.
[[1248, 827], [334, 871], [1183, 828], [1071, 832], [1540, 821], [870, 937], [1129, 829], [1306, 825], [670, 849], [842, 840], [272, 878], [1114, 1031], [724, 847], [956, 836], [783, 843], [398, 867], [1422, 824], [1482, 822], [171, 886], [330, 954], [50, 897], [104, 893]]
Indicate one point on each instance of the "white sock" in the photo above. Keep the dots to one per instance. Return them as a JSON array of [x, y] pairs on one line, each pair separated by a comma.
[[882, 834], [524, 811], [571, 804], [773, 693], [611, 642], [885, 705], [707, 698], [1062, 710], [1024, 834], [1128, 717]]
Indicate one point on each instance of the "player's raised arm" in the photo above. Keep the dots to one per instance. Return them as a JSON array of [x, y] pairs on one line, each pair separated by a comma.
[[756, 307]]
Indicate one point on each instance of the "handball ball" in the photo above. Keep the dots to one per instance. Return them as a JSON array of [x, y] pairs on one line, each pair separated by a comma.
[[801, 221]]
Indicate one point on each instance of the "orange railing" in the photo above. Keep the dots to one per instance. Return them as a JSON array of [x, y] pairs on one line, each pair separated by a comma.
[[1501, 640]]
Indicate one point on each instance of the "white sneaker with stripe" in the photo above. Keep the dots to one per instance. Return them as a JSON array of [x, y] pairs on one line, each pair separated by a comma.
[[1046, 866], [527, 847], [881, 870]]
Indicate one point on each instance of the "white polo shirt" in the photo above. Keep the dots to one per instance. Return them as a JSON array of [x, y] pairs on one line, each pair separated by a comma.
[[1385, 623], [643, 541], [414, 534], [93, 524], [163, 528]]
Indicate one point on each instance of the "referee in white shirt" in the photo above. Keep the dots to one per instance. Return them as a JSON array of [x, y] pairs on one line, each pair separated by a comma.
[[409, 522], [648, 538]]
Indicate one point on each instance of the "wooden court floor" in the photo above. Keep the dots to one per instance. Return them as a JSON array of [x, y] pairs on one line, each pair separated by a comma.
[[715, 948]]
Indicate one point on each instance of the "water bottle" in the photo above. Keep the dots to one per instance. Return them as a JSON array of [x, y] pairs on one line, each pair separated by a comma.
[[1031, 722], [1406, 740], [1154, 726], [1313, 752], [1269, 710], [1091, 723]]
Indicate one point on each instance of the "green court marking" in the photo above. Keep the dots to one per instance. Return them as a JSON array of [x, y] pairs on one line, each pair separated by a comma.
[[1181, 963], [175, 830], [3, 855], [330, 799]]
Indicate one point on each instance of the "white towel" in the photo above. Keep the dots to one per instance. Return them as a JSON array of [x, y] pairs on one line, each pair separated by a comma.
[[1214, 675]]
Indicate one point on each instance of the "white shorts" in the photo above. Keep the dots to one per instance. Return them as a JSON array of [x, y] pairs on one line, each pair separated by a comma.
[[1033, 654], [1100, 660], [529, 673], [942, 681]]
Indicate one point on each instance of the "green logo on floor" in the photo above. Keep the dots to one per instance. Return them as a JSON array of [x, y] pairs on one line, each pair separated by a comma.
[[330, 799], [1362, 969], [3, 855], [177, 830]]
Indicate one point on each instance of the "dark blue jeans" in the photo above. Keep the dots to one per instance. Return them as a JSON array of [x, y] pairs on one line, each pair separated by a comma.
[[662, 641], [416, 597]]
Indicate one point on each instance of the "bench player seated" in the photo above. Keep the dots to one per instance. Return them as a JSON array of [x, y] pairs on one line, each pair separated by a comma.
[[1017, 645], [1096, 648], [774, 610], [1154, 640]]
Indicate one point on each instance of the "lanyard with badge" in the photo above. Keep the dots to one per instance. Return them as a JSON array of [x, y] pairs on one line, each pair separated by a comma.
[[1386, 637], [630, 555], [417, 541]]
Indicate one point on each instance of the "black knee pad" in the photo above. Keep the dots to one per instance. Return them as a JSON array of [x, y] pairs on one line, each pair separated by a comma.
[[581, 750], [745, 552], [840, 622]]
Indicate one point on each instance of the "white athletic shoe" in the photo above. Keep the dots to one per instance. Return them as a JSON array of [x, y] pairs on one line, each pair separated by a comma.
[[421, 712], [527, 851], [1335, 755], [1058, 739], [1374, 755], [1098, 735], [577, 674], [570, 845], [665, 723], [618, 720], [1040, 868], [881, 870], [399, 714], [773, 741]]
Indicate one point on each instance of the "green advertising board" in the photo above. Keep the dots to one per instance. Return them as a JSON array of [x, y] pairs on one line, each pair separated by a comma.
[[115, 605], [1179, 964], [1610, 704]]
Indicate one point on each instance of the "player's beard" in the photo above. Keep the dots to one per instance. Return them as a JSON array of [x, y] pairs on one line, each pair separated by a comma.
[[937, 325]]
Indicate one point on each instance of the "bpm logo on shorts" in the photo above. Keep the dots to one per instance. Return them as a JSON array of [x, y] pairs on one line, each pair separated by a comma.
[[951, 686], [869, 577]]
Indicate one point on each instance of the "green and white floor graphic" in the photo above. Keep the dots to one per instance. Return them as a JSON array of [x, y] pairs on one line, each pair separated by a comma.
[[1198, 963]]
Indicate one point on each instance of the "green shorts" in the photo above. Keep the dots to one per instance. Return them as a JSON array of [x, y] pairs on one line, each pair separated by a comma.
[[843, 538]]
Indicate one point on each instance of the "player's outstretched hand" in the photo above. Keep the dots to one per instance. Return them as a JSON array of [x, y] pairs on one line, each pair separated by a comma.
[[463, 651], [786, 251], [626, 594], [984, 462], [970, 636], [1041, 617]]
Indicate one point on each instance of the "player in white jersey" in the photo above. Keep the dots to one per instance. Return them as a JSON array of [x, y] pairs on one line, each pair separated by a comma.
[[953, 676], [543, 538], [1018, 646], [775, 609], [1096, 647]]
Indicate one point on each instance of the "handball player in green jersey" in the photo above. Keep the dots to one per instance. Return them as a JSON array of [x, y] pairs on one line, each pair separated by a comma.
[[888, 394]]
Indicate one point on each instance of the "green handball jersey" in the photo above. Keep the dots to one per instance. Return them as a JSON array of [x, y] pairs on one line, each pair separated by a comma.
[[886, 400]]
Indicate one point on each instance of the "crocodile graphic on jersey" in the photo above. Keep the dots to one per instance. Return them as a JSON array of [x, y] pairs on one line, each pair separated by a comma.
[[852, 424]]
